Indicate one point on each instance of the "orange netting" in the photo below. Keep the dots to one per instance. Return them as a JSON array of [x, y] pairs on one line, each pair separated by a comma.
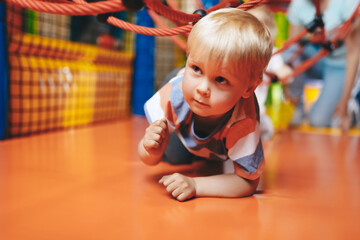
[[184, 20]]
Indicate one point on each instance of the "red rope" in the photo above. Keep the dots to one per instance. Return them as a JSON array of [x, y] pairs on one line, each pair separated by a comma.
[[174, 14], [291, 41], [170, 13], [148, 31], [180, 43], [71, 8], [305, 65], [345, 28], [55, 1], [317, 4], [250, 4], [317, 7], [340, 36], [80, 1], [173, 4], [81, 7]]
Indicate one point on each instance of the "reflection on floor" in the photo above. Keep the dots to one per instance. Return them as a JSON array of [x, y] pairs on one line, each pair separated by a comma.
[[88, 183]]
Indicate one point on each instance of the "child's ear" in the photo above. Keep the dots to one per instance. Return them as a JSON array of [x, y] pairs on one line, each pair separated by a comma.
[[250, 90]]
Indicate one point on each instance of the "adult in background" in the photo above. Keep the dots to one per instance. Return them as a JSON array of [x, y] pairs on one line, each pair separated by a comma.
[[338, 69]]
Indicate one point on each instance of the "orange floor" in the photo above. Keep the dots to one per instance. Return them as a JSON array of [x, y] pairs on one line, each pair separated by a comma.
[[88, 183]]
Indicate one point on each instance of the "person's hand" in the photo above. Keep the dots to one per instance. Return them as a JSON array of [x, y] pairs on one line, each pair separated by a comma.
[[283, 72], [340, 113], [180, 186], [156, 138]]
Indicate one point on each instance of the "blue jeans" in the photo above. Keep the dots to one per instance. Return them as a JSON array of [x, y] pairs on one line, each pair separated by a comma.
[[176, 153], [333, 83]]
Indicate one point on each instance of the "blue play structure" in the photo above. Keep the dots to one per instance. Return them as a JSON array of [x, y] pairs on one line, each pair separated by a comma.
[[144, 76], [209, 3], [3, 72]]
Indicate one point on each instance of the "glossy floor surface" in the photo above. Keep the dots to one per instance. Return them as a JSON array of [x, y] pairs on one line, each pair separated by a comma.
[[88, 184]]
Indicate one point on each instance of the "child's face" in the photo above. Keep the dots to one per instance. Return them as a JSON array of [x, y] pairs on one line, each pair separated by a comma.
[[211, 91]]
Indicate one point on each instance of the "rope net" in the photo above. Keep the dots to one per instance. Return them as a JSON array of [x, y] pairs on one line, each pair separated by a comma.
[[185, 21]]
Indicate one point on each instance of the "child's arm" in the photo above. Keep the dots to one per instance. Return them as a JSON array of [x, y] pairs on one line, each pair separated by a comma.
[[224, 185], [152, 146]]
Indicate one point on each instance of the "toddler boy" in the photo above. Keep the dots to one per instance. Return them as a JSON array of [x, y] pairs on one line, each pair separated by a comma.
[[212, 107]]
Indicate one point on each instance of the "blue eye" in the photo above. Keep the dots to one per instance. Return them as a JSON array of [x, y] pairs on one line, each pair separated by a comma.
[[222, 80]]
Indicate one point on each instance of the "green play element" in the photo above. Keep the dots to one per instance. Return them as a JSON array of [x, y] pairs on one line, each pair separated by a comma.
[[282, 25]]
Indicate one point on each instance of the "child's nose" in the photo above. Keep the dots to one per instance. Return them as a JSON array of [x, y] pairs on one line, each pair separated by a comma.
[[203, 88]]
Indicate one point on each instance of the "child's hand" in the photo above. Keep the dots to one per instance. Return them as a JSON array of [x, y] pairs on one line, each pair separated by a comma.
[[283, 74], [180, 186], [155, 138]]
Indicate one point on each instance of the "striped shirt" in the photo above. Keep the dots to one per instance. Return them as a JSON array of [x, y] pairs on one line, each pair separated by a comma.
[[237, 137]]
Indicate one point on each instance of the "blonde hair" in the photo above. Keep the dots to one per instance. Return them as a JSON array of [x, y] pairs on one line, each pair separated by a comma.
[[233, 37]]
